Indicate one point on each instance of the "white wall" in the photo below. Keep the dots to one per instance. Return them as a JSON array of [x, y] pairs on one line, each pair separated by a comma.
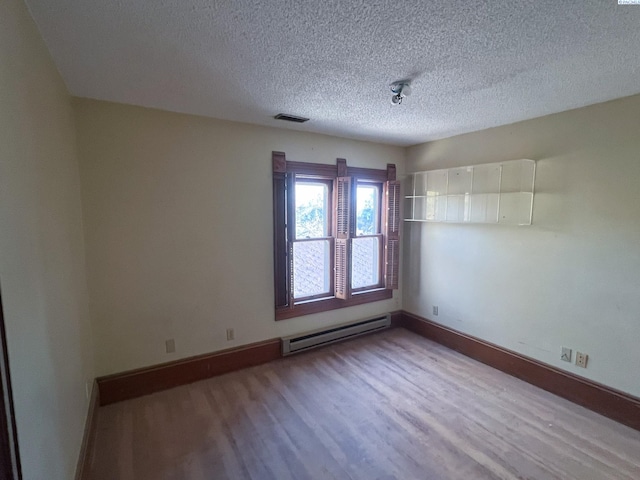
[[41, 252], [178, 228], [572, 278]]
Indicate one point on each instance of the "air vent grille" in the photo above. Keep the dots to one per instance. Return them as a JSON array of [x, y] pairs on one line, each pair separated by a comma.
[[290, 118]]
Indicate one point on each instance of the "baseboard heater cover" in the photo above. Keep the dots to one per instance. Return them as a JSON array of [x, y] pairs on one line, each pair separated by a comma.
[[317, 338]]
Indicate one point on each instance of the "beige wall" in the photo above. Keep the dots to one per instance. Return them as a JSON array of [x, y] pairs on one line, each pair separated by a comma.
[[41, 252], [572, 278], [178, 228]]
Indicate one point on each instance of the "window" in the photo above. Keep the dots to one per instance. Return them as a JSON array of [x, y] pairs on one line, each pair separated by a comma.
[[366, 246], [335, 235], [312, 242]]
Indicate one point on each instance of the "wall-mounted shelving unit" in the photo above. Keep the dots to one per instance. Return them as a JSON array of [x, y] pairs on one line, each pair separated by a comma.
[[498, 193]]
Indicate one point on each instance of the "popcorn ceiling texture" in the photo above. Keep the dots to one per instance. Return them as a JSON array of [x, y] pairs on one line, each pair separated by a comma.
[[476, 64]]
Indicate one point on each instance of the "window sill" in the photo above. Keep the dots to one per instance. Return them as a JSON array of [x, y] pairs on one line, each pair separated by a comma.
[[332, 303]]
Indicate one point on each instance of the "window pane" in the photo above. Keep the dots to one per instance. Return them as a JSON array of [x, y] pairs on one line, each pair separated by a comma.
[[367, 209], [311, 268], [365, 253], [312, 210]]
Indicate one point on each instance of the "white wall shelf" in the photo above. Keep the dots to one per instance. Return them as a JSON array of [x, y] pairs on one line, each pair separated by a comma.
[[498, 193]]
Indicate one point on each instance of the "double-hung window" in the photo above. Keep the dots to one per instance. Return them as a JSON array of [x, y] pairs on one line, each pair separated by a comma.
[[336, 235], [312, 239], [367, 246]]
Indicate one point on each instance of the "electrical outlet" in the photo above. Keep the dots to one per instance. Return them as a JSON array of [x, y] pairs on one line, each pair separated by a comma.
[[171, 345], [230, 334], [435, 310], [581, 359], [566, 354]]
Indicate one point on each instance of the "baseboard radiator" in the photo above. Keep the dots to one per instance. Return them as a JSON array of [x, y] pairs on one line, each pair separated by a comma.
[[317, 338]]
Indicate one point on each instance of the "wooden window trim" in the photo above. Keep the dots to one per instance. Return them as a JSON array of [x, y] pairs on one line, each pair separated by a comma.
[[332, 303], [280, 244], [331, 171], [284, 172]]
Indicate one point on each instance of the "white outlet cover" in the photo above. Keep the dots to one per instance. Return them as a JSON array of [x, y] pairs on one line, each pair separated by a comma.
[[582, 359]]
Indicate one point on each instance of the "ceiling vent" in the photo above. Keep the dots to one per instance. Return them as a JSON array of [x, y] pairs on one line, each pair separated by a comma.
[[290, 118]]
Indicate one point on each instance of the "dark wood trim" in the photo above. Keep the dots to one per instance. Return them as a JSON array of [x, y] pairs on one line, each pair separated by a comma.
[[367, 173], [312, 169], [617, 405], [281, 287], [279, 162], [391, 172], [325, 170], [341, 163], [396, 319], [143, 381], [318, 306], [10, 467], [331, 171], [90, 431]]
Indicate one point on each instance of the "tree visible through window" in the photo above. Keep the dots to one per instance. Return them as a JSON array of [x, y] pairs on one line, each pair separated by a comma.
[[367, 209]]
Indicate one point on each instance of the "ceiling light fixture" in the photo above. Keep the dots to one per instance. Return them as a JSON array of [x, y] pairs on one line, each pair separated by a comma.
[[400, 90]]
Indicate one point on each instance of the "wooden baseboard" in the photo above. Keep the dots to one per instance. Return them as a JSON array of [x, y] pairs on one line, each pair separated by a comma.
[[619, 406], [136, 383], [396, 318], [90, 430]]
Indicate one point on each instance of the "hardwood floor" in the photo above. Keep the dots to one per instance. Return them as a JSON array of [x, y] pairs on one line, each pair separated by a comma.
[[387, 406]]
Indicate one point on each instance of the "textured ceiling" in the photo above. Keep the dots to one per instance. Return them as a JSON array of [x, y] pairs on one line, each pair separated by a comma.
[[475, 64]]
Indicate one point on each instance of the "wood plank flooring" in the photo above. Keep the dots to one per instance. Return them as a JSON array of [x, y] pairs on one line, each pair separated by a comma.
[[387, 406]]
